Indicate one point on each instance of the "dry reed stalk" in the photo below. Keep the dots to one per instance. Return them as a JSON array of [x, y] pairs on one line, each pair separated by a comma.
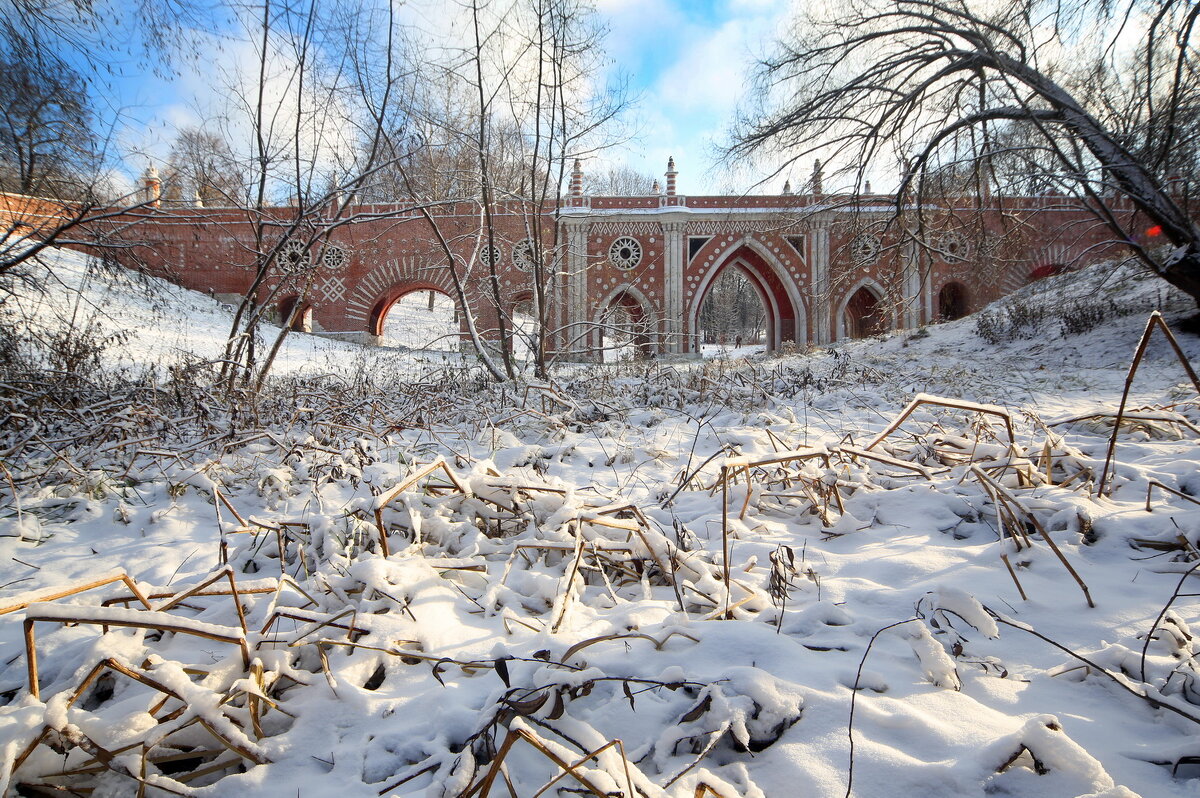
[[570, 769], [74, 589], [549, 397], [560, 547], [129, 622], [725, 535], [408, 778], [294, 614], [954, 404], [703, 790], [115, 666], [466, 666], [384, 499], [1156, 484], [1155, 320], [1016, 505], [245, 591], [658, 644], [226, 573], [1133, 418], [884, 459], [484, 785], [568, 584], [726, 614], [1013, 574], [641, 527]]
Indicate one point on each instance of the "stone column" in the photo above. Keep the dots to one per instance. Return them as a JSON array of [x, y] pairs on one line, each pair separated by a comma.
[[913, 298], [821, 297], [674, 257], [575, 308]]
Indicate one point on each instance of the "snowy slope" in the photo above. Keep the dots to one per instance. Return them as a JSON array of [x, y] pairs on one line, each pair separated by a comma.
[[524, 598]]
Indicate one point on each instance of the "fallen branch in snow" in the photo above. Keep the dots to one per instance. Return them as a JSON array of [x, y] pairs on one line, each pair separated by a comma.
[[1163, 612], [1119, 679]]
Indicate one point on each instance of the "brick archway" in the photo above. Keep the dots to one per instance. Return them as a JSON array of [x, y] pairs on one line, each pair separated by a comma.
[[384, 303], [377, 290], [785, 313], [952, 301], [862, 312], [299, 320], [640, 311]]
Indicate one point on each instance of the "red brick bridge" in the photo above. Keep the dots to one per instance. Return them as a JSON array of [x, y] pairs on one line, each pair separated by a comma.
[[825, 266]]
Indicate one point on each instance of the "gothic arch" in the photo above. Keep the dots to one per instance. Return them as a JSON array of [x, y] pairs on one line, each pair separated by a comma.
[[877, 292], [787, 319], [641, 308]]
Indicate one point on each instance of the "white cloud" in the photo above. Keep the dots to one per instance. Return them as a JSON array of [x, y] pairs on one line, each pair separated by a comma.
[[688, 106]]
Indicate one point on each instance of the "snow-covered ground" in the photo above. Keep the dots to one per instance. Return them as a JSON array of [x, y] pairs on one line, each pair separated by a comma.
[[562, 582]]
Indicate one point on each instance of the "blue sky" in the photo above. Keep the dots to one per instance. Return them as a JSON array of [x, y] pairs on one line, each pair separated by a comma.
[[689, 59], [686, 60]]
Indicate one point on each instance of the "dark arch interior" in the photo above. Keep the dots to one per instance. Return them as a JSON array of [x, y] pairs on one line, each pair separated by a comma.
[[299, 320], [864, 314], [952, 302]]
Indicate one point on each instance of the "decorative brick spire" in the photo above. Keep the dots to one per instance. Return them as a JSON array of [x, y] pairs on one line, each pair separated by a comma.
[[656, 189], [787, 188], [151, 187], [671, 173], [577, 179], [817, 190]]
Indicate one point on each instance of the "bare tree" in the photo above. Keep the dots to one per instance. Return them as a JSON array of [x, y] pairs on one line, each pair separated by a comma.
[[47, 147], [621, 181], [934, 82], [202, 167]]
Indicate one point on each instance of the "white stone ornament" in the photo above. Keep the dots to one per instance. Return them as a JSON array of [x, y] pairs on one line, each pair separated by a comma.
[[522, 255], [865, 248], [334, 258], [293, 258], [489, 255], [953, 247], [625, 253]]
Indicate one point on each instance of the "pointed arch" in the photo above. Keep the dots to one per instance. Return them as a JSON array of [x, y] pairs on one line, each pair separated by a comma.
[[787, 317], [871, 317], [639, 307]]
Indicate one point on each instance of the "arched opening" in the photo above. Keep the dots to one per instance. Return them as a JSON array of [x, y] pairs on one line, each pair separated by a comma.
[[778, 297], [952, 302], [416, 317], [298, 321], [733, 314], [523, 326], [864, 315], [625, 330]]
